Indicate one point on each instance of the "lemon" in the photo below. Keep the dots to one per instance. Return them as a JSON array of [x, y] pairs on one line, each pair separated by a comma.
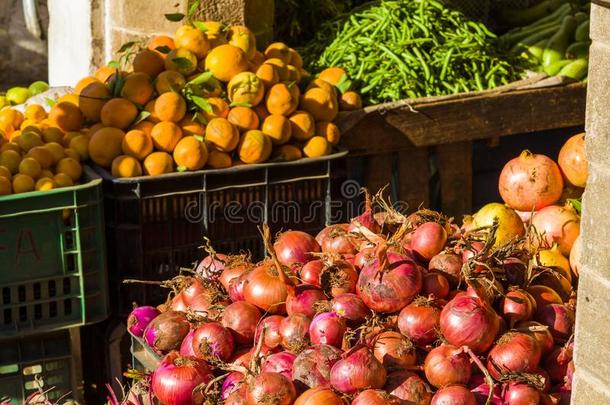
[[31, 167], [22, 183], [38, 87], [10, 159], [17, 95], [71, 167]]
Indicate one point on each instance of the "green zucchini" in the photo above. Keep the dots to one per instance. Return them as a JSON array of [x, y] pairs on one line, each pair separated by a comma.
[[582, 32], [534, 38], [578, 50], [520, 17], [576, 70], [535, 51], [557, 45], [555, 67]]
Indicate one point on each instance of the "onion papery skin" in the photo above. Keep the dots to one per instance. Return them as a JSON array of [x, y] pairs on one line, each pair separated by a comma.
[[212, 266], [206, 304], [327, 328], [266, 289], [303, 300], [447, 365], [366, 219], [375, 397], [167, 331], [419, 323], [453, 395], [514, 352], [559, 319], [294, 331], [175, 378], [281, 362], [478, 386], [394, 351], [139, 319], [295, 247], [468, 321], [237, 286], [312, 366], [448, 264], [338, 278], [213, 341], [359, 370], [271, 325], [351, 308], [232, 383], [556, 363], [310, 272], [241, 318], [335, 239], [186, 347], [319, 395], [179, 303], [428, 240], [230, 273], [270, 385], [516, 393], [543, 337], [408, 387], [394, 289], [364, 257]]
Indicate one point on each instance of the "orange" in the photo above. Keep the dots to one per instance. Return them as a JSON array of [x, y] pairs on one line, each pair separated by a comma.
[[69, 136], [45, 184], [282, 99], [293, 74], [105, 145], [329, 131], [145, 126], [118, 113], [182, 61], [22, 183], [243, 38], [158, 163], [254, 147], [226, 61], [169, 80], [10, 146], [218, 159], [191, 153], [350, 101], [10, 159], [80, 144], [280, 67], [316, 147], [246, 87], [63, 180], [6, 187], [46, 173], [137, 143], [321, 84], [28, 123], [11, 117], [216, 33], [138, 88], [67, 116], [28, 140], [192, 39], [287, 153], [91, 100], [220, 108], [126, 166], [303, 125], [278, 50], [210, 87], [277, 128], [71, 98], [105, 73], [170, 107], [70, 167], [31, 167], [56, 150], [261, 111], [31, 128], [332, 75], [161, 41], [5, 172], [150, 108], [53, 134], [222, 134], [149, 62], [295, 59], [165, 135], [35, 112], [71, 153], [84, 82], [190, 127], [243, 118], [321, 104], [7, 129], [91, 130], [42, 155]]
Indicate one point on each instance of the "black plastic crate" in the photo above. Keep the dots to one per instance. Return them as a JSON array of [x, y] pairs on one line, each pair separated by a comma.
[[156, 225]]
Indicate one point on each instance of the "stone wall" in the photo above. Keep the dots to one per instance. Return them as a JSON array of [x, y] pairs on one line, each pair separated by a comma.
[[592, 347]]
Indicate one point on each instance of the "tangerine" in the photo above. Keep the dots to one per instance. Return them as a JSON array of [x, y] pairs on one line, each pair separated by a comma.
[[125, 166], [191, 153], [105, 145], [170, 107], [218, 159], [329, 131], [321, 104], [165, 135], [118, 113], [254, 147], [158, 163], [303, 125], [316, 147], [67, 116], [277, 128], [225, 61], [246, 87], [243, 38], [22, 183], [137, 143], [149, 62], [169, 80], [243, 118], [182, 61], [282, 99], [137, 88], [192, 39], [222, 134], [91, 100]]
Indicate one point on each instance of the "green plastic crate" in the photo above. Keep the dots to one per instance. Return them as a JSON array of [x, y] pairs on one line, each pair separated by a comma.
[[53, 357], [52, 259]]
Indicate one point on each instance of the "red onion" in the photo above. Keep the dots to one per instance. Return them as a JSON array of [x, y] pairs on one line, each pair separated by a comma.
[[428, 240], [232, 383], [468, 321], [390, 282], [294, 330], [241, 319], [453, 395], [327, 328], [559, 319], [179, 303], [394, 351], [338, 277], [139, 319], [265, 386], [365, 257], [478, 386], [186, 347], [514, 352], [419, 321], [517, 393], [209, 304], [556, 363], [312, 366], [166, 331], [243, 356], [447, 365], [194, 286], [435, 284], [310, 272], [351, 308], [570, 374], [515, 270], [450, 265], [366, 219], [319, 395], [271, 325], [546, 379], [358, 370], [303, 300], [518, 305], [268, 287], [295, 247], [409, 387], [279, 363], [213, 341], [335, 239], [539, 332], [375, 397], [233, 271], [212, 266], [237, 286], [176, 377], [543, 296]]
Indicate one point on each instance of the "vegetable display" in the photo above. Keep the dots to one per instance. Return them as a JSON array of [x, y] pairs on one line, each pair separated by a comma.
[[398, 49], [494, 324]]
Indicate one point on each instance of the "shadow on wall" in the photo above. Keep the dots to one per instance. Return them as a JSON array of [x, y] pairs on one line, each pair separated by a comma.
[[23, 56]]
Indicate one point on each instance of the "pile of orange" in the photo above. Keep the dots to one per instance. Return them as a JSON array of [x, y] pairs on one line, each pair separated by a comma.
[[206, 98]]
